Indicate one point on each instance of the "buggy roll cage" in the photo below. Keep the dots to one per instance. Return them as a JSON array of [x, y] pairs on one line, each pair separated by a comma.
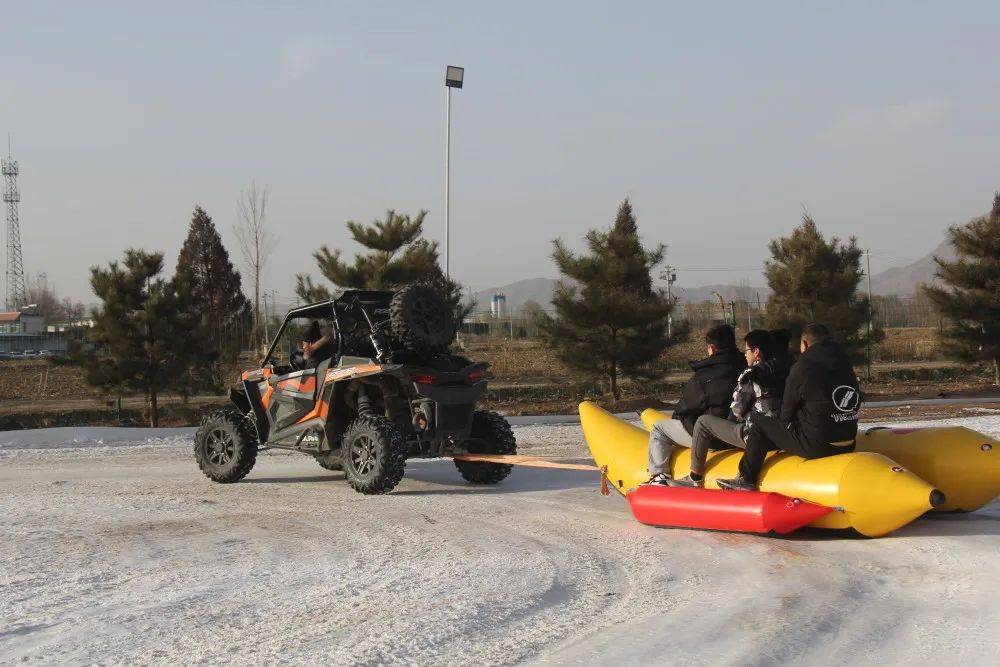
[[327, 310]]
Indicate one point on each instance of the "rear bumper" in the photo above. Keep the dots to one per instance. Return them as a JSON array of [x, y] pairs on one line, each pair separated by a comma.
[[453, 407]]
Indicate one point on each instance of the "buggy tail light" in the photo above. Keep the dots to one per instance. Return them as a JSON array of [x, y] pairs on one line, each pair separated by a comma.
[[423, 378], [478, 375]]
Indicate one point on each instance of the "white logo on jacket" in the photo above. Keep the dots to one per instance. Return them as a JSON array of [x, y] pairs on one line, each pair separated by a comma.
[[846, 398]]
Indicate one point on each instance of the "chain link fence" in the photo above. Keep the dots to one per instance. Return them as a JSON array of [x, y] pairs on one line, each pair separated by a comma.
[[910, 311]]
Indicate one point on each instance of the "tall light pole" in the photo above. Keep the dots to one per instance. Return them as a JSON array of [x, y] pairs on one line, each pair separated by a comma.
[[871, 312], [453, 77], [670, 275]]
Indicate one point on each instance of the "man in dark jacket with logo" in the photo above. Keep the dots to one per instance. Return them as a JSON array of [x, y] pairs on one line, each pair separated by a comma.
[[709, 391], [758, 392], [819, 410]]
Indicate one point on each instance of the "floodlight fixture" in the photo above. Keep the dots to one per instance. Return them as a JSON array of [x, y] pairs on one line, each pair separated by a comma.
[[453, 76]]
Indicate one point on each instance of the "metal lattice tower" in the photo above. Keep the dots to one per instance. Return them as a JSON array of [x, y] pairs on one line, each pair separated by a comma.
[[15, 296]]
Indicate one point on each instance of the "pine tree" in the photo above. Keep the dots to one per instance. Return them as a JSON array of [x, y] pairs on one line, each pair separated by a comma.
[[970, 300], [396, 255], [309, 292], [815, 280], [141, 339], [609, 321], [223, 311]]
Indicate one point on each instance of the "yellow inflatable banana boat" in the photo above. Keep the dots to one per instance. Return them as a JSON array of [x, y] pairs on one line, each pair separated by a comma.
[[871, 493], [962, 463]]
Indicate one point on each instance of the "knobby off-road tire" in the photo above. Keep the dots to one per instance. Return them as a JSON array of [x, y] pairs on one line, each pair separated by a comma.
[[374, 455], [225, 446], [422, 319], [493, 435], [331, 460]]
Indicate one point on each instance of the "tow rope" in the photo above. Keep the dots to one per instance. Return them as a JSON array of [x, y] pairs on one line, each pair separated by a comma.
[[536, 462]]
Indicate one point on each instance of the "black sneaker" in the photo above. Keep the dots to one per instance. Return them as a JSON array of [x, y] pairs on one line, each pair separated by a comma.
[[736, 484], [660, 479], [687, 481]]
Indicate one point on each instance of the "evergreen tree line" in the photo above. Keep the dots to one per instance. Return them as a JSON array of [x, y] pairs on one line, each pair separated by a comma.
[[154, 334], [610, 323]]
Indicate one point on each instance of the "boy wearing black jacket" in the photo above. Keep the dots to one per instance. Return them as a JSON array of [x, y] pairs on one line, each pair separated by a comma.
[[758, 392], [819, 411], [709, 391]]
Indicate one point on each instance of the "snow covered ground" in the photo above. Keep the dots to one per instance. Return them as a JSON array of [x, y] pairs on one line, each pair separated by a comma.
[[115, 549]]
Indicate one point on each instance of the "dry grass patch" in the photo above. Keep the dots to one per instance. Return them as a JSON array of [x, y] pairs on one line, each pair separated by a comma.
[[908, 344]]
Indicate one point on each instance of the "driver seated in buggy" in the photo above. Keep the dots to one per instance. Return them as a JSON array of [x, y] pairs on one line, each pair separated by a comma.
[[316, 346]]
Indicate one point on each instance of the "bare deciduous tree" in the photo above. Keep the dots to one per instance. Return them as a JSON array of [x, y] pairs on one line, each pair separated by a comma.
[[41, 294], [256, 243]]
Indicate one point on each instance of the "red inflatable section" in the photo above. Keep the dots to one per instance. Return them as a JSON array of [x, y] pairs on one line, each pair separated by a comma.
[[743, 511]]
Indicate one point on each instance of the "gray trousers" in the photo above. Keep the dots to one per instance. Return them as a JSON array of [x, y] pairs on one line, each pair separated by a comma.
[[712, 432], [665, 435]]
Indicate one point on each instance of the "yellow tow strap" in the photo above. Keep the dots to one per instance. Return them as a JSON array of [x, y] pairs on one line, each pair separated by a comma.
[[536, 462]]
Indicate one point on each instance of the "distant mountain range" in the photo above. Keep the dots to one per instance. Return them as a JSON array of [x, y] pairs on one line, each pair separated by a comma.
[[540, 290], [902, 281]]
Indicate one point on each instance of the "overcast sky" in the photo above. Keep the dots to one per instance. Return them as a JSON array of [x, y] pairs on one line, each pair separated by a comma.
[[721, 123]]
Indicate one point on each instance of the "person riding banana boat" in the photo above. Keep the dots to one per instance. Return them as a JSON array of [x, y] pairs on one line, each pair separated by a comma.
[[818, 417], [868, 492], [708, 392], [759, 390], [876, 481], [819, 412]]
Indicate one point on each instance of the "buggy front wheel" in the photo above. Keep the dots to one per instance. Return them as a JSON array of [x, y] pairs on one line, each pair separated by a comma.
[[225, 446]]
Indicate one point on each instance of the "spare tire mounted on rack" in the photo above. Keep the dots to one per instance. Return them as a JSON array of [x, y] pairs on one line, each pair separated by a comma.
[[422, 319]]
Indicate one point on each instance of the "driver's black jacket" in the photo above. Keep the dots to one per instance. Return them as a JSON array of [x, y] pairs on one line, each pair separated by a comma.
[[822, 397]]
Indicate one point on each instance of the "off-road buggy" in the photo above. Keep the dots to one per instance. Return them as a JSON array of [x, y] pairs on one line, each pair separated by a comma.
[[390, 390]]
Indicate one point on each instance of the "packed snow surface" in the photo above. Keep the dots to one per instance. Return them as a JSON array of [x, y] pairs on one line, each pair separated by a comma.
[[115, 549]]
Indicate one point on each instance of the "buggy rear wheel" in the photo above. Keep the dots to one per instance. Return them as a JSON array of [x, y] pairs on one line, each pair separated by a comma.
[[225, 446], [491, 434], [373, 454]]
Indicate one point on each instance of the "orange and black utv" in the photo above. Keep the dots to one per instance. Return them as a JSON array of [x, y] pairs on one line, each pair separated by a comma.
[[383, 387]]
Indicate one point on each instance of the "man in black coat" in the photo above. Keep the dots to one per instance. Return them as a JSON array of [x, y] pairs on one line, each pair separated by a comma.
[[758, 391], [819, 410], [709, 391]]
